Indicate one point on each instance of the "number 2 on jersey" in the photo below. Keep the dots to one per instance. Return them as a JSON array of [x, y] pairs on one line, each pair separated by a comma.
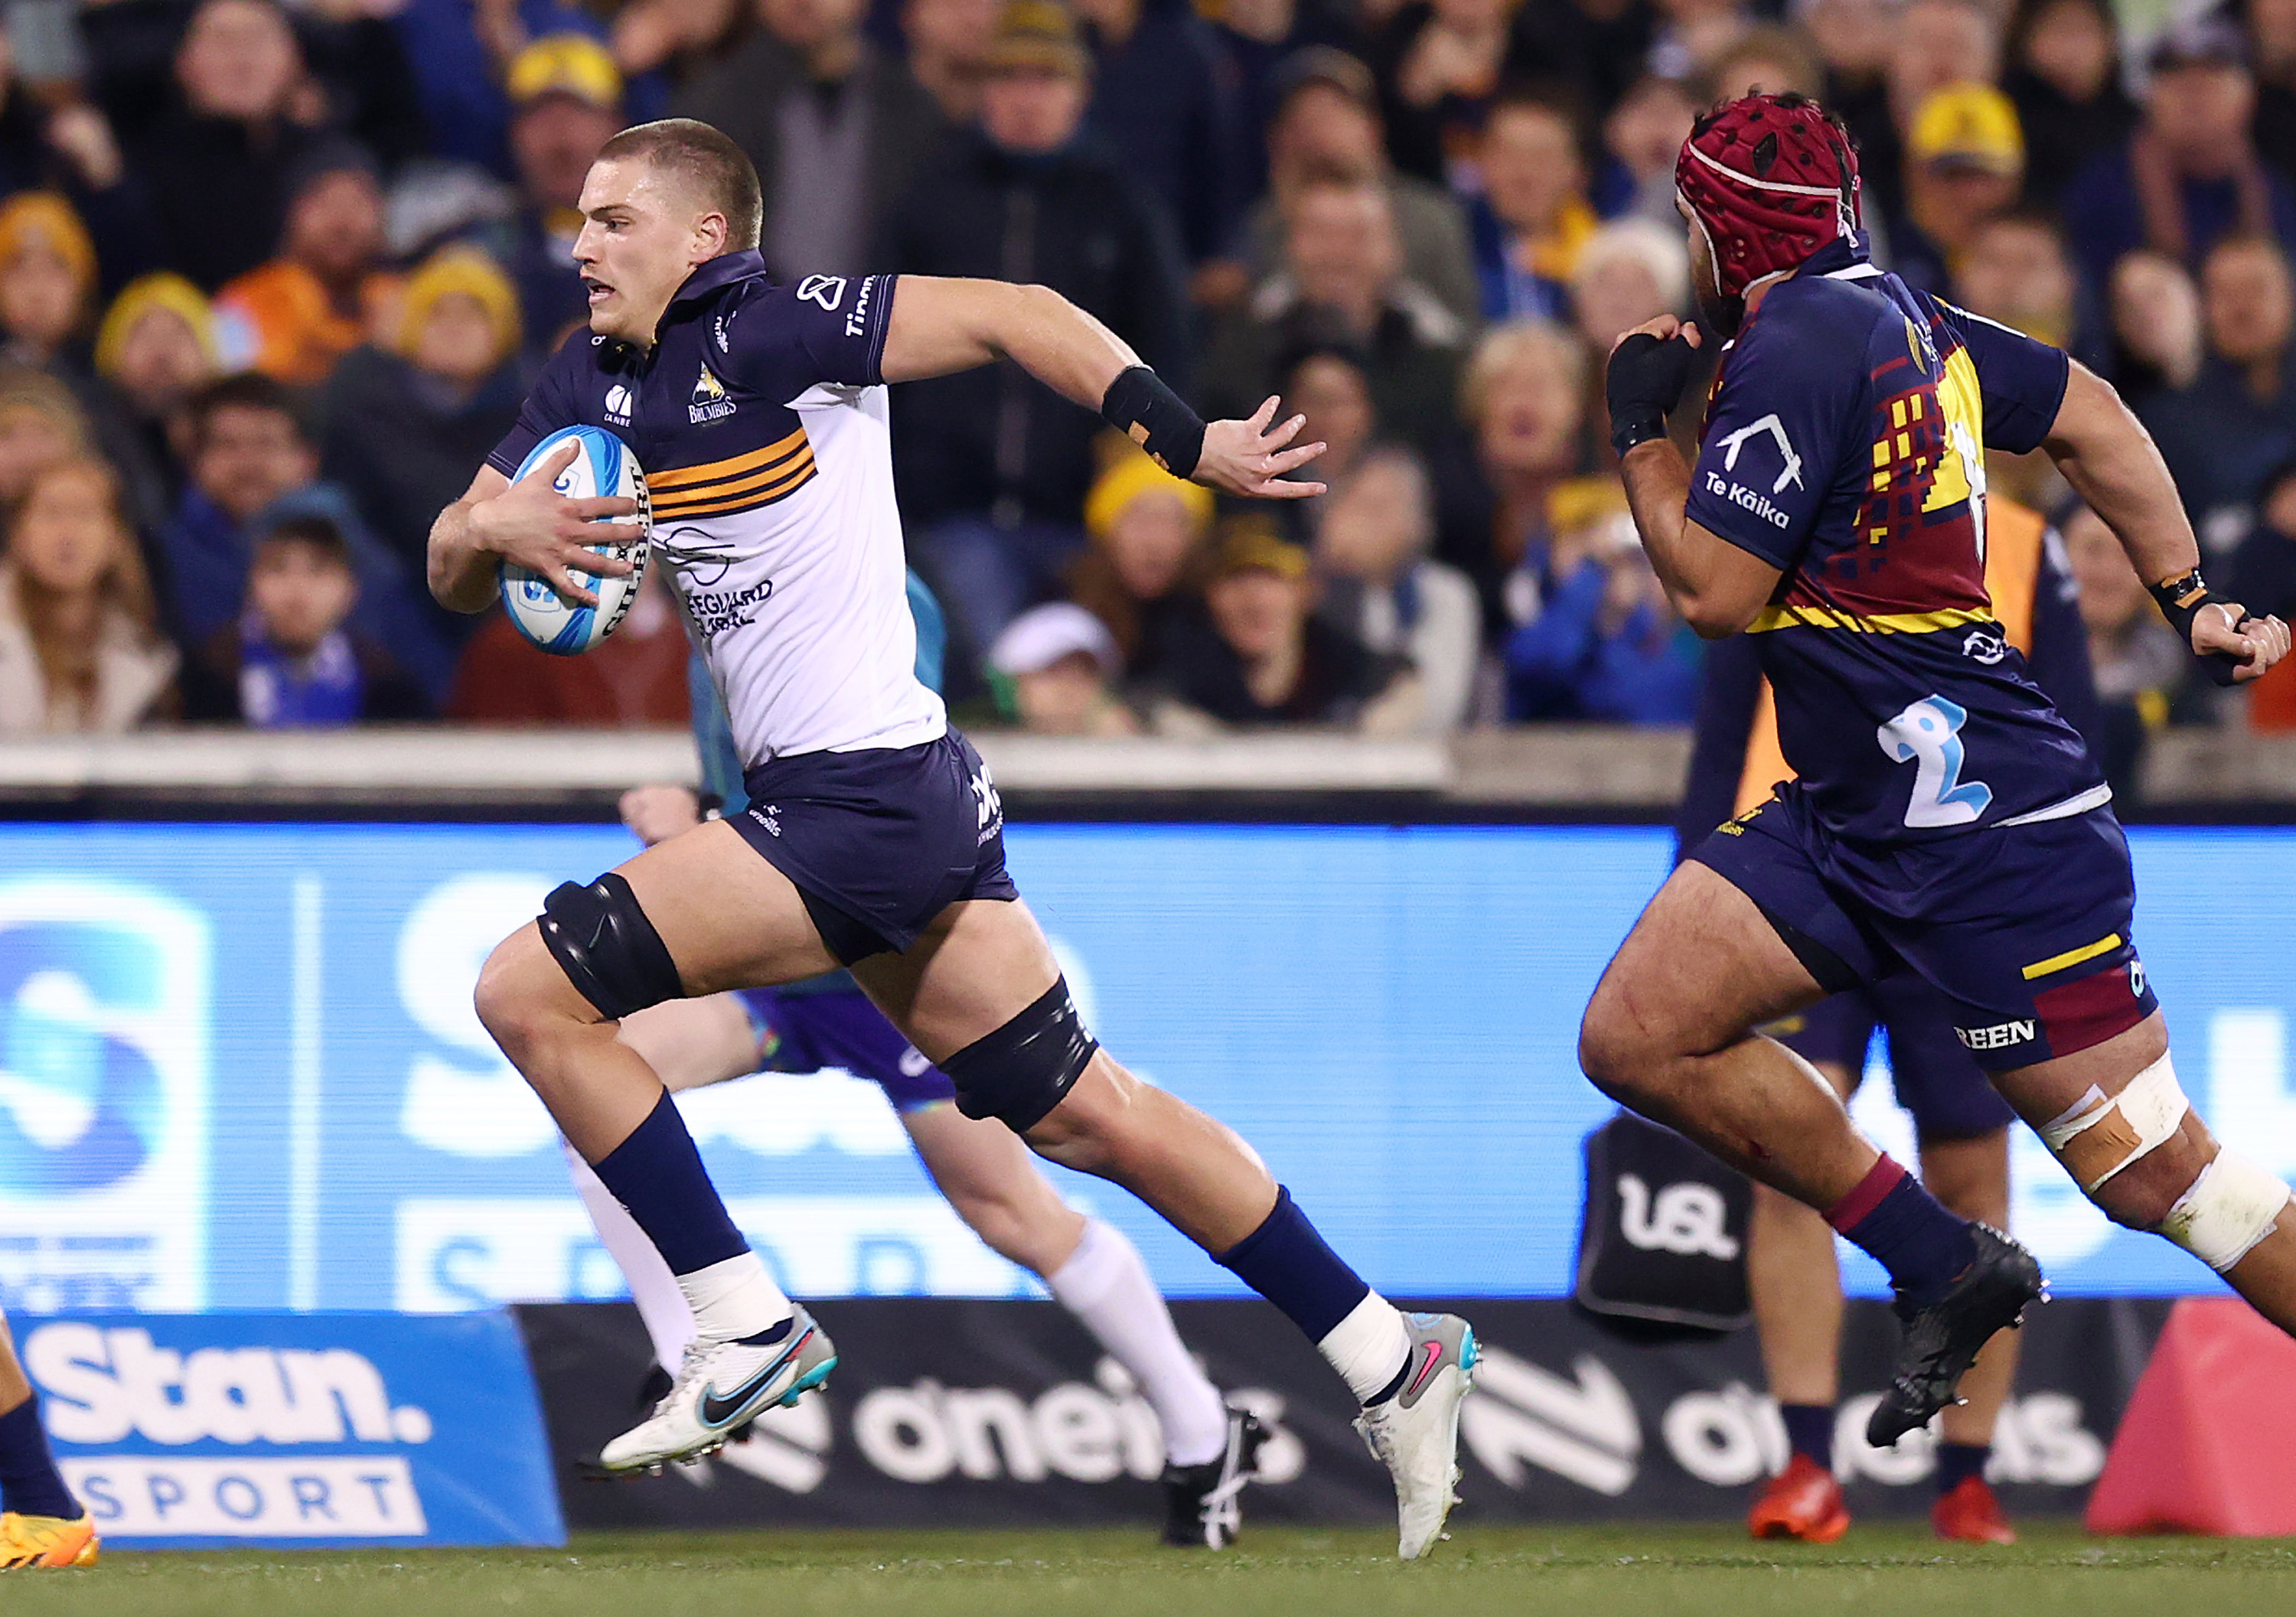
[[1928, 735]]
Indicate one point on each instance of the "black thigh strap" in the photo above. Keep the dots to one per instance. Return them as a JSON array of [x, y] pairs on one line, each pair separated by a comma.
[[1019, 1073]]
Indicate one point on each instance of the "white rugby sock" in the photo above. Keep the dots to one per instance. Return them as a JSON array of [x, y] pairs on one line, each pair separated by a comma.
[[733, 1297], [668, 1321], [1369, 1347], [1105, 1285]]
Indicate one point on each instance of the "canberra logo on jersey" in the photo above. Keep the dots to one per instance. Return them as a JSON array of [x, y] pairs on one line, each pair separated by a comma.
[[709, 402], [618, 406]]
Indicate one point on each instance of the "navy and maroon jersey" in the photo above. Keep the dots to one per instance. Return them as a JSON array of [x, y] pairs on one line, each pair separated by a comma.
[[1844, 445]]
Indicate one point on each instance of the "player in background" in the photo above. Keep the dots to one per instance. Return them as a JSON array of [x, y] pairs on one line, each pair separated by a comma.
[[42, 1526], [1960, 1123], [874, 839], [1944, 818], [1090, 1267]]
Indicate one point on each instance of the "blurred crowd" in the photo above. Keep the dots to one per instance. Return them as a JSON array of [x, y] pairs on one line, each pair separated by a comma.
[[273, 278]]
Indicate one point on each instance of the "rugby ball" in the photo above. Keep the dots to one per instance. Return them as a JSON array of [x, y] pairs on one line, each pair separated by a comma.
[[605, 466]]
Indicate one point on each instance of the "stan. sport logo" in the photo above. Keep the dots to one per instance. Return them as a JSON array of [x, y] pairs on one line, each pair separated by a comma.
[[103, 1097]]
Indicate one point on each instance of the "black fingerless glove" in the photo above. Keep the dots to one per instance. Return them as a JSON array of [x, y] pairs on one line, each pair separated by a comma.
[[2180, 600], [1643, 384]]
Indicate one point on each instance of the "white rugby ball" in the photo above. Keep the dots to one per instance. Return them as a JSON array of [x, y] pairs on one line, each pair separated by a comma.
[[605, 466]]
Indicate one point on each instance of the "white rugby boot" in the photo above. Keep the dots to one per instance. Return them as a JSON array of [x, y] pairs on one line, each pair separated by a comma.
[[1415, 1433], [720, 1385]]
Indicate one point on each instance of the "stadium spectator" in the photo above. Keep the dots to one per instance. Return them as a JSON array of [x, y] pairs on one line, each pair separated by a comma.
[[41, 423], [1380, 588], [1642, 138], [993, 468], [1934, 44], [1346, 283], [2064, 75], [79, 651], [1160, 97], [680, 39], [1964, 166], [216, 158], [566, 96], [1629, 271], [405, 426], [47, 281], [1437, 63], [1258, 655], [1326, 127], [1326, 383], [1770, 59], [2272, 53], [1605, 646], [2155, 314], [293, 661], [2222, 435], [2016, 271], [1523, 403], [2139, 664], [1600, 45], [1052, 668], [2262, 577], [327, 291], [53, 139], [1853, 40], [252, 466], [948, 43], [1693, 35], [836, 128], [1533, 220], [461, 53], [2188, 174], [1139, 575], [156, 348], [634, 680]]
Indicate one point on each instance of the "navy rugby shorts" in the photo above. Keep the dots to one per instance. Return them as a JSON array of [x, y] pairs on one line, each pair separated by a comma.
[[1935, 1079], [2024, 930], [879, 842], [815, 1029]]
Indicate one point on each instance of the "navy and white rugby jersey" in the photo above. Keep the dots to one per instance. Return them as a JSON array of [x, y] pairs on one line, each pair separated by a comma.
[[1844, 444], [759, 416]]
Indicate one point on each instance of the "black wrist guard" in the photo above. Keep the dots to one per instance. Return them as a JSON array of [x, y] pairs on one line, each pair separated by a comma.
[[2180, 600], [1139, 406], [1643, 384]]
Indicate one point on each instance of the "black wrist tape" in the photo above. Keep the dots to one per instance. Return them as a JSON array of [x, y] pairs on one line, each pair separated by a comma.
[[1635, 426], [1139, 405], [2180, 600]]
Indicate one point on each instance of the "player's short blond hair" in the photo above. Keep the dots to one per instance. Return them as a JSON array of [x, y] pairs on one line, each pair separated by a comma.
[[720, 170]]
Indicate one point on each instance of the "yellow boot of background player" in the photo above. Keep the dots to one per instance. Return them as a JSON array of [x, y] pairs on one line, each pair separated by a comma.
[[40, 1543]]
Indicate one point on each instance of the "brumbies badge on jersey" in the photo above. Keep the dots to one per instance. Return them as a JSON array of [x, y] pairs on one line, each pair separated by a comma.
[[709, 402], [605, 466]]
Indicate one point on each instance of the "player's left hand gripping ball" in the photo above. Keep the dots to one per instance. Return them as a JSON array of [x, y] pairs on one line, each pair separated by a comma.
[[602, 467]]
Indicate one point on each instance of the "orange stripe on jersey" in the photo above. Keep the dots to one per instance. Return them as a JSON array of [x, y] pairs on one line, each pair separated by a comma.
[[773, 476], [718, 502], [2012, 572], [733, 466]]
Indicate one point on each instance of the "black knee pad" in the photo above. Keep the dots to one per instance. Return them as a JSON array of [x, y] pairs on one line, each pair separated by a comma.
[[607, 948], [1024, 1068]]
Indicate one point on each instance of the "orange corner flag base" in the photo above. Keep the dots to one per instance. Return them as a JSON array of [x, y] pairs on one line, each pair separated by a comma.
[[2207, 1443]]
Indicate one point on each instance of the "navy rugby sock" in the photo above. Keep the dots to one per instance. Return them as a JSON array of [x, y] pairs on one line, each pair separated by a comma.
[[30, 1485], [658, 1175], [1907, 1230], [1809, 1429], [1287, 1262], [1958, 1462]]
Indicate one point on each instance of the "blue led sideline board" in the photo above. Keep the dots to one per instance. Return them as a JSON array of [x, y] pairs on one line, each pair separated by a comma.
[[239, 1067]]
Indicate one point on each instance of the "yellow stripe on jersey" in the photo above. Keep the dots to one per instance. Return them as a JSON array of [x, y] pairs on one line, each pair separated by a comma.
[[692, 477], [760, 491], [1881, 623], [2072, 956]]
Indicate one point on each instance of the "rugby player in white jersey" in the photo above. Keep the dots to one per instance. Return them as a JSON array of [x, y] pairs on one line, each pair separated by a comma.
[[874, 839]]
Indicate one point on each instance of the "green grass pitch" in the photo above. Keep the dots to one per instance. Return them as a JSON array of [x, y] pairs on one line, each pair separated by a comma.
[[1571, 1571]]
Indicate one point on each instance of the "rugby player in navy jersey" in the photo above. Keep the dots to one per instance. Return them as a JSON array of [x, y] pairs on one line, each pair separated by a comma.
[[875, 838], [1944, 819]]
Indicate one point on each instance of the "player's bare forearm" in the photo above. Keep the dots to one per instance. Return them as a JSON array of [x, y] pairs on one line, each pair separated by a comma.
[[462, 576], [1716, 586], [941, 325], [2111, 460]]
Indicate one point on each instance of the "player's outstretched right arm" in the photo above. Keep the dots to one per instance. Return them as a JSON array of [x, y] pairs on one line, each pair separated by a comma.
[[940, 326], [528, 522]]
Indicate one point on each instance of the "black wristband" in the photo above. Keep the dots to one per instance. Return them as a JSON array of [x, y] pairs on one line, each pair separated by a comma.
[[709, 806], [2180, 600], [1139, 406], [1640, 425]]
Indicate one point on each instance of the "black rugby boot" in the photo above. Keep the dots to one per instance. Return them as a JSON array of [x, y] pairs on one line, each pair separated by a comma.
[[1941, 1340], [1203, 1510]]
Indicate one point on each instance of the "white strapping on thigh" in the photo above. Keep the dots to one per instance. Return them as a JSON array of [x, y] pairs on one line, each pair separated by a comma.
[[2231, 1206], [2096, 1137]]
